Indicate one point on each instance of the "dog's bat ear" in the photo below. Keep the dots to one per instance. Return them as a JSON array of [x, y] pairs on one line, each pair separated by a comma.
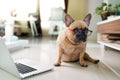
[[68, 20], [87, 19]]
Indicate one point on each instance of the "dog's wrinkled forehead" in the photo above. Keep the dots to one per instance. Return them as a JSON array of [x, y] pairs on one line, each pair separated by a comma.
[[78, 24]]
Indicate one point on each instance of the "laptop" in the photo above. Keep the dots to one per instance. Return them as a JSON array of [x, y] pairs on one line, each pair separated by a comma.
[[21, 68]]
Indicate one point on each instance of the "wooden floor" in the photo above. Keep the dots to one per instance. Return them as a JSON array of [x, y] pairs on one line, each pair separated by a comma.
[[43, 50]]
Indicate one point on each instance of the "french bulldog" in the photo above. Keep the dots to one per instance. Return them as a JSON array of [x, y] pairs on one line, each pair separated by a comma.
[[71, 43]]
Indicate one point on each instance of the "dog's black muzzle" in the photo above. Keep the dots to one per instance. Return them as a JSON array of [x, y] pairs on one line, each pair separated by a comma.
[[81, 34]]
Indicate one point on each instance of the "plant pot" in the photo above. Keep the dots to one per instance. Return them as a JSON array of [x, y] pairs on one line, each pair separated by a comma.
[[104, 16], [112, 12], [117, 12]]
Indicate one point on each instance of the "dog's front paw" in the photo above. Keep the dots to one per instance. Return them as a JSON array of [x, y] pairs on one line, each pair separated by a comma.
[[57, 64], [96, 61], [83, 65]]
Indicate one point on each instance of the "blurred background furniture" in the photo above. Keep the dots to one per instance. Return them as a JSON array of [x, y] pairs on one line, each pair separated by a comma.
[[109, 36], [109, 33], [56, 21], [31, 20]]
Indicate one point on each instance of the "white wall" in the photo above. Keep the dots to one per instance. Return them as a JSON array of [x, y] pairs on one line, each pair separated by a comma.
[[113, 2], [91, 5], [77, 8]]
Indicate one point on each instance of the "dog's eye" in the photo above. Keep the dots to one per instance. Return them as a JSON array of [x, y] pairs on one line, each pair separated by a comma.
[[86, 31], [77, 31]]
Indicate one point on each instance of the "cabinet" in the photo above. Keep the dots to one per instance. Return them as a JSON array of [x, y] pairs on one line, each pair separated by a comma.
[[105, 29]]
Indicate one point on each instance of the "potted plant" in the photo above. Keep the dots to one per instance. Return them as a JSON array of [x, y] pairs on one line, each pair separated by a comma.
[[104, 10]]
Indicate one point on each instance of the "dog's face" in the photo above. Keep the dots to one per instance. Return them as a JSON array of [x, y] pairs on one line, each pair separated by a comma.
[[77, 30]]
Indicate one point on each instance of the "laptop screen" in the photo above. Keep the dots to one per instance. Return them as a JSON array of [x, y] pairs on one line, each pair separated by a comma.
[[6, 61]]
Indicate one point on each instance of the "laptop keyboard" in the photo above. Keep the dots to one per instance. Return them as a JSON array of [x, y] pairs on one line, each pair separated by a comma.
[[24, 68]]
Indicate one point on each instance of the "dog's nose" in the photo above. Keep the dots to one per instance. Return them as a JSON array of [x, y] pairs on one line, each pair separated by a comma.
[[80, 38]]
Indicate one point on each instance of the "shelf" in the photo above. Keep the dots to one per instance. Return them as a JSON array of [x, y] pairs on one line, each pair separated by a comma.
[[109, 20], [109, 44], [109, 26]]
